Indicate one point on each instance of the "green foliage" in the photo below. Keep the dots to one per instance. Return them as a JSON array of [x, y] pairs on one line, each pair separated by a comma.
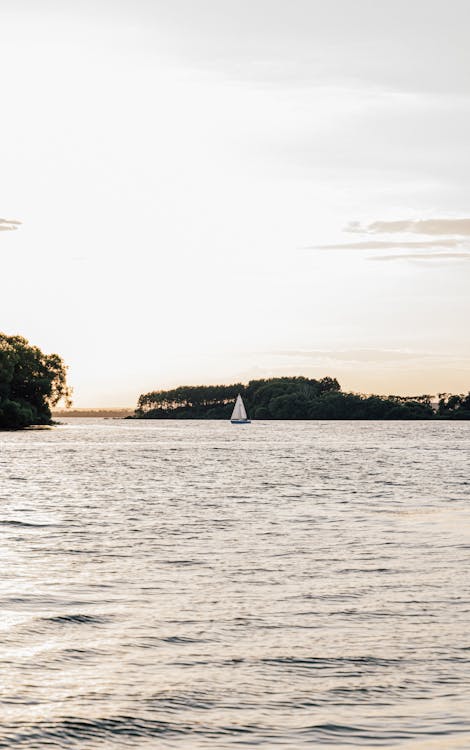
[[281, 398], [30, 383], [190, 402], [455, 406]]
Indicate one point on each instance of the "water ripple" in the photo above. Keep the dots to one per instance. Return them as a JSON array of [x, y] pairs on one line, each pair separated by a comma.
[[197, 587]]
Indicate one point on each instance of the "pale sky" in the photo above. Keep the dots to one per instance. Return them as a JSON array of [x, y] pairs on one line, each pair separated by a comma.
[[216, 190]]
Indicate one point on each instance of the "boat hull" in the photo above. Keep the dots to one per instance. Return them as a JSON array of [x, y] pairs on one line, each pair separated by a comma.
[[240, 421]]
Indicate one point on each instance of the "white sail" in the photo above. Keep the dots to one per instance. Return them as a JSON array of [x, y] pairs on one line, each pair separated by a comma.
[[239, 409]]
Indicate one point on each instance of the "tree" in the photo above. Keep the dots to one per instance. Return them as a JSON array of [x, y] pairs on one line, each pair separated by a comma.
[[289, 406], [456, 406], [31, 382]]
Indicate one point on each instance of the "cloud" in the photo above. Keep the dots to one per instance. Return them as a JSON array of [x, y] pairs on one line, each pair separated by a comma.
[[439, 229], [430, 227], [369, 356], [9, 225], [422, 256], [389, 245], [356, 355]]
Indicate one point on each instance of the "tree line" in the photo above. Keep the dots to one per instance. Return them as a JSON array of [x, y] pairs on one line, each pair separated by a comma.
[[32, 382], [295, 398]]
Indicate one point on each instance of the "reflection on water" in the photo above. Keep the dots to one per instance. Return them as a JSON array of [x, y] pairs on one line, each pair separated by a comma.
[[198, 585]]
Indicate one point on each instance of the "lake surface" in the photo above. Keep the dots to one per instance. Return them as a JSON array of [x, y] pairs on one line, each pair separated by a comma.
[[199, 585]]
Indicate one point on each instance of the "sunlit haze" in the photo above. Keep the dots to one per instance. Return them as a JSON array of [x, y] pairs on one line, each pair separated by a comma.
[[211, 191]]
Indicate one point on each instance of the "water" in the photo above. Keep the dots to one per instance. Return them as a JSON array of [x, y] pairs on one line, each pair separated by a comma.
[[198, 585]]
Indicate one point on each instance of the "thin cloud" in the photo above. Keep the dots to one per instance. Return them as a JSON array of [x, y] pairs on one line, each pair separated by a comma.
[[422, 256], [371, 356], [436, 227], [389, 245], [440, 229], [9, 225], [355, 355]]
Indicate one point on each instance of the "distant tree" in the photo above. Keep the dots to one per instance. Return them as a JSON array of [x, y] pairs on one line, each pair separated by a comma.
[[328, 384], [294, 397], [289, 406], [456, 406], [31, 382], [189, 402]]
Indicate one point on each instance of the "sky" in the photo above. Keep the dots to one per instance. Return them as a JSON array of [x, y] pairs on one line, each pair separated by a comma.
[[212, 191]]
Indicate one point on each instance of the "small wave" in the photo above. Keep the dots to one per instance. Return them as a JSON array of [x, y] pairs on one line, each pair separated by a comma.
[[330, 662], [174, 702], [331, 733], [182, 639], [121, 729], [181, 562], [77, 619], [77, 654], [126, 730], [25, 524], [155, 642], [333, 730]]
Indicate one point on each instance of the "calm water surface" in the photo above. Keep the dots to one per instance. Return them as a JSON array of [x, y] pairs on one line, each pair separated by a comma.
[[198, 585]]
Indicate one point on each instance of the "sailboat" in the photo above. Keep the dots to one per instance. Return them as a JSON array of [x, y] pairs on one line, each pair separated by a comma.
[[239, 412]]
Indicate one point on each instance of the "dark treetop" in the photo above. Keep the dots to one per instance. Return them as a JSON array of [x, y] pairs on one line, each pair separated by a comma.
[[294, 398], [30, 383]]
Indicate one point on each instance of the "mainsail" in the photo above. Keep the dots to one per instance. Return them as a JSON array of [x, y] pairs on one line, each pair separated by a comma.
[[239, 412]]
